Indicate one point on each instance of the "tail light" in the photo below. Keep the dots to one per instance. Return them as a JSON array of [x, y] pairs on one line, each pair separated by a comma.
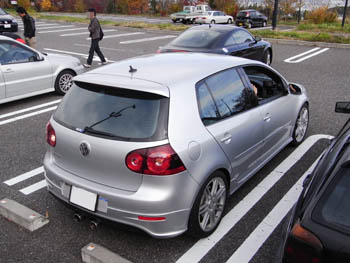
[[21, 40], [177, 50], [159, 51], [302, 246], [247, 15], [160, 160], [50, 135]]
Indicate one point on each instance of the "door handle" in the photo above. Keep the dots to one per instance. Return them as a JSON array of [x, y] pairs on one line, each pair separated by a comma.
[[267, 117], [227, 138], [9, 70]]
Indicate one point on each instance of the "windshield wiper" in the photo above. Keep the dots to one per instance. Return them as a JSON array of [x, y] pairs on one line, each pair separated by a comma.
[[111, 115]]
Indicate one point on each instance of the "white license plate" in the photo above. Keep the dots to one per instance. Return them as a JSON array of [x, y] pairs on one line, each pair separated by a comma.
[[7, 26], [83, 198]]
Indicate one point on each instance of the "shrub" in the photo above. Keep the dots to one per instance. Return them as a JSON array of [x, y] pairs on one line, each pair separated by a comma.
[[174, 8], [322, 15], [46, 5], [24, 3], [79, 6]]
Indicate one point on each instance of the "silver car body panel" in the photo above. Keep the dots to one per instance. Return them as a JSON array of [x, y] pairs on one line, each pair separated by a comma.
[[22, 80], [203, 149]]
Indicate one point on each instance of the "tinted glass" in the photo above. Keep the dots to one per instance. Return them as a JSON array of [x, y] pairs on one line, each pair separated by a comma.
[[121, 113], [334, 206], [229, 92], [242, 14], [11, 52], [230, 41], [241, 36], [2, 12], [207, 108], [196, 38]]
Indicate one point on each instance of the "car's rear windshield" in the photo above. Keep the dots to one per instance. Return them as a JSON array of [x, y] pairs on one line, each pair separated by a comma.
[[115, 113], [2, 12], [242, 14], [196, 38], [333, 208]]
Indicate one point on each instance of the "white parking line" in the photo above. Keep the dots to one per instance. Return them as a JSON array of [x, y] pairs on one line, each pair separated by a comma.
[[146, 39], [27, 115], [63, 30], [34, 187], [28, 109], [52, 27], [257, 238], [201, 247], [121, 35], [312, 51], [44, 25], [24, 176], [85, 33], [77, 54]]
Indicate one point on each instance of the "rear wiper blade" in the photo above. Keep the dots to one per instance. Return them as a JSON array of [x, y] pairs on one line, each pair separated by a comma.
[[102, 133], [111, 115]]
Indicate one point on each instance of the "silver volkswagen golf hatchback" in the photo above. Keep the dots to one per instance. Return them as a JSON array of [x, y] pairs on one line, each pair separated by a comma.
[[160, 141]]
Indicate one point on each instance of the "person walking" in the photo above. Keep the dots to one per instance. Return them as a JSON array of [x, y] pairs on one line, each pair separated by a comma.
[[96, 35], [29, 27]]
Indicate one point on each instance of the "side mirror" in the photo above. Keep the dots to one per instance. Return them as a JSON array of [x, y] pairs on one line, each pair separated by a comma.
[[342, 107], [257, 38]]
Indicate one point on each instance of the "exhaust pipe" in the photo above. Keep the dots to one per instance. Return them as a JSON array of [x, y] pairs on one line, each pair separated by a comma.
[[94, 224], [78, 217]]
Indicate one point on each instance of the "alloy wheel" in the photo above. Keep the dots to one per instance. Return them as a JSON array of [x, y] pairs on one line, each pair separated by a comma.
[[65, 82], [302, 124], [212, 204]]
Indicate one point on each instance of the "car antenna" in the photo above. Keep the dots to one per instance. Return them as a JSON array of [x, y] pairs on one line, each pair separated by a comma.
[[132, 70]]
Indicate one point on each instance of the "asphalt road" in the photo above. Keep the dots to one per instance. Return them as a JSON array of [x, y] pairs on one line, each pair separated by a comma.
[[22, 147]]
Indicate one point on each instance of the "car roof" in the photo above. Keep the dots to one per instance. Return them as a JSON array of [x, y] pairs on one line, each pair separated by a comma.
[[158, 72], [220, 28], [248, 10]]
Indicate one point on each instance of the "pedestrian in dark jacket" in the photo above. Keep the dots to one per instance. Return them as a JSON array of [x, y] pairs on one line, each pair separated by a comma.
[[29, 27], [96, 35]]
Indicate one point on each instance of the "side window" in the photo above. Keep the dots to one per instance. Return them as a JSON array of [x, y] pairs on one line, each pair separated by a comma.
[[253, 14], [241, 37], [266, 83], [11, 52], [230, 41], [207, 108], [229, 92]]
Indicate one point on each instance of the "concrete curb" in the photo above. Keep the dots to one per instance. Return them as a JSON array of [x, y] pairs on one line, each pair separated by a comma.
[[93, 253], [22, 215]]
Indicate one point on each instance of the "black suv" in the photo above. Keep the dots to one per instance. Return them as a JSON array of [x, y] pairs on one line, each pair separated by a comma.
[[250, 18]]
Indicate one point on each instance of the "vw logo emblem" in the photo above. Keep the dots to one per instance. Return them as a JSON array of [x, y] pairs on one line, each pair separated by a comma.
[[84, 148]]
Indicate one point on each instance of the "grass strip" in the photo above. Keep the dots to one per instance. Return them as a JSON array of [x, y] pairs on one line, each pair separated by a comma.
[[305, 36]]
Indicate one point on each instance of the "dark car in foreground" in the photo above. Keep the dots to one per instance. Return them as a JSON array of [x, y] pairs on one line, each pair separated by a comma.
[[7, 22], [221, 39], [319, 228], [251, 18]]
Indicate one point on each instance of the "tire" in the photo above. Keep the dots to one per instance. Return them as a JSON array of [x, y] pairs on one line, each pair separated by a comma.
[[264, 24], [212, 22], [229, 21], [174, 20], [64, 81], [213, 201], [301, 125], [268, 57], [193, 21]]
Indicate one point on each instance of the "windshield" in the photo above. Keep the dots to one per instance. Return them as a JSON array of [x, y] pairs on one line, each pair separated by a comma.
[[113, 112], [196, 38], [2, 12], [187, 8]]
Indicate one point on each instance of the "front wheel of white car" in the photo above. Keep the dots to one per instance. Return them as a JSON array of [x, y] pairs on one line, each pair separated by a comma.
[[209, 206], [301, 125], [229, 21], [64, 81]]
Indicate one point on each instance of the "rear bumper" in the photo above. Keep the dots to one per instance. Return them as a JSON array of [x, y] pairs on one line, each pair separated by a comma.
[[13, 28], [169, 196]]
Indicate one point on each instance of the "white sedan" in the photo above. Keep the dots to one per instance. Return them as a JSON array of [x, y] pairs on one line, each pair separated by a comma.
[[214, 17], [25, 72]]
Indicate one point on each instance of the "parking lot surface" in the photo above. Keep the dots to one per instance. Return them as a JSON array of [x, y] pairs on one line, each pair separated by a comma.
[[251, 230]]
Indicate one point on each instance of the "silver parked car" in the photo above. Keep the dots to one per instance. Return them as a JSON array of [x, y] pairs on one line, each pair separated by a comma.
[[159, 142], [26, 72]]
